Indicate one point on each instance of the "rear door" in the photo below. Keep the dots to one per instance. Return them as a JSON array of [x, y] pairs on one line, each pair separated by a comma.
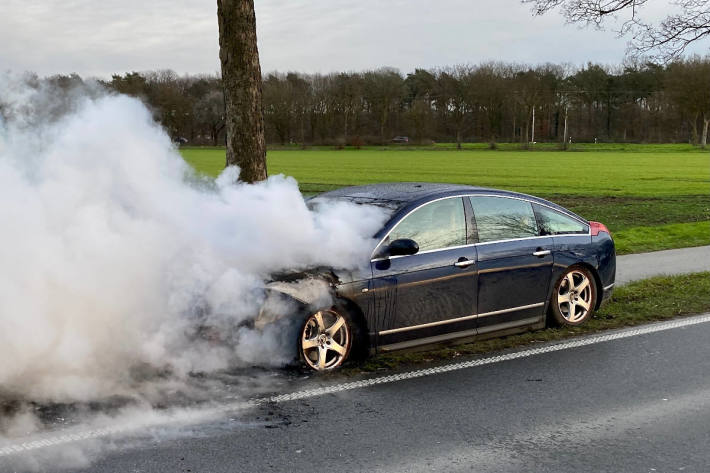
[[514, 263], [432, 293], [571, 237]]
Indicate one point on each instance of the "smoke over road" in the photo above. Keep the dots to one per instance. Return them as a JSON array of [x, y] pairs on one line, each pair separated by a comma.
[[113, 252]]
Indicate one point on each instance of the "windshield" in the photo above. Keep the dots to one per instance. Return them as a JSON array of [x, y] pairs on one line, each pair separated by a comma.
[[390, 207]]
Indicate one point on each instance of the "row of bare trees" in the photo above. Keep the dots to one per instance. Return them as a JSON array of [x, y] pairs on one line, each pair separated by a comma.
[[485, 103], [492, 102]]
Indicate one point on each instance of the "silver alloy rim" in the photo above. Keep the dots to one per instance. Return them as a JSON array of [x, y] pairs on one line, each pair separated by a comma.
[[325, 340], [574, 296]]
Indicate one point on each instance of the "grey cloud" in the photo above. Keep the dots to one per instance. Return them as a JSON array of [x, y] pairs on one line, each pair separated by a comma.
[[100, 38]]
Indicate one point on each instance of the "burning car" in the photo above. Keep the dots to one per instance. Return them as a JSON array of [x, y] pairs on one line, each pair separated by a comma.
[[452, 263]]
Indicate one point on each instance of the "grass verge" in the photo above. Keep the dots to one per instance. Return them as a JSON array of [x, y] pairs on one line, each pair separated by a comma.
[[659, 298], [674, 235]]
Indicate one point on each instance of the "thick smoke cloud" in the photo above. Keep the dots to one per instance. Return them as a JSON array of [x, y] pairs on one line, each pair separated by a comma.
[[114, 253]]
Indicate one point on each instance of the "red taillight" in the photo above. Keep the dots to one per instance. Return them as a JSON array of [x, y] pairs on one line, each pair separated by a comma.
[[598, 227]]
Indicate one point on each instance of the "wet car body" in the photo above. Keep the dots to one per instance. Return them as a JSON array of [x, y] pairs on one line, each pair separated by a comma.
[[477, 288]]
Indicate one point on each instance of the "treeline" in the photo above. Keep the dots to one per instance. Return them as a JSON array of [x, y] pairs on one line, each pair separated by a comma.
[[491, 102]]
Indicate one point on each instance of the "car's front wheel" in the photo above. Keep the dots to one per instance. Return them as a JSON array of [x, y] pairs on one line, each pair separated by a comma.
[[326, 339], [574, 297]]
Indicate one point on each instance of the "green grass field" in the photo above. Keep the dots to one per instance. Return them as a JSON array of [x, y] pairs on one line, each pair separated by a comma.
[[650, 196]]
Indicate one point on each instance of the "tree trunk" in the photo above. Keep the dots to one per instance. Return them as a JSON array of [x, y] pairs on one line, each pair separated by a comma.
[[241, 76], [345, 128], [215, 130], [312, 127], [694, 129], [608, 119], [303, 129], [383, 123], [704, 139]]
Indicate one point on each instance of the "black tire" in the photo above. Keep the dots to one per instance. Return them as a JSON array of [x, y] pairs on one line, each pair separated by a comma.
[[340, 345], [576, 306]]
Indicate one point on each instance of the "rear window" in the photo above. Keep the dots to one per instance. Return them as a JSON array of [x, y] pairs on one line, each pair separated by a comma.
[[556, 223], [501, 218]]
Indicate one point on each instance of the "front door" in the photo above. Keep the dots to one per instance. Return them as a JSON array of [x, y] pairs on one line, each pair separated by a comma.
[[432, 293]]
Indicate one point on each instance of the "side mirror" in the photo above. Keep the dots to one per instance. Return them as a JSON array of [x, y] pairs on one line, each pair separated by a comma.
[[403, 246]]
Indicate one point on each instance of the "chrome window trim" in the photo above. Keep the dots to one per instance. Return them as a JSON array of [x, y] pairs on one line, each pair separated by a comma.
[[459, 319], [481, 243], [564, 212], [374, 260]]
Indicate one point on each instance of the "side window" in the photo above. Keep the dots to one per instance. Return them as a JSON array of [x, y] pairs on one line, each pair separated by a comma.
[[501, 218], [436, 225], [555, 223]]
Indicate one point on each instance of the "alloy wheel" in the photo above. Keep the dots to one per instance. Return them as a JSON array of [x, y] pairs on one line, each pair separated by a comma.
[[325, 340], [574, 296]]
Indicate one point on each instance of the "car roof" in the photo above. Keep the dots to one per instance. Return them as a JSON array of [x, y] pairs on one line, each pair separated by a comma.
[[397, 196]]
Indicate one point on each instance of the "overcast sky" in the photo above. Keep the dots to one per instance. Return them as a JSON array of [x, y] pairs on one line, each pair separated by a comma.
[[102, 37]]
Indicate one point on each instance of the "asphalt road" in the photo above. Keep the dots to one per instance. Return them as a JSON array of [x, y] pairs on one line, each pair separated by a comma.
[[635, 400], [635, 404]]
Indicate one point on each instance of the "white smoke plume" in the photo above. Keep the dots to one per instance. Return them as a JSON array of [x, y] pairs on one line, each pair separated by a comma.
[[113, 252]]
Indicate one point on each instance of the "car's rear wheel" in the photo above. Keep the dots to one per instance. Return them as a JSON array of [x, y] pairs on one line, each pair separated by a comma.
[[574, 297], [326, 339]]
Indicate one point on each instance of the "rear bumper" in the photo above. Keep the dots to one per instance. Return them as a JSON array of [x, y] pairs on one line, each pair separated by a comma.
[[606, 294]]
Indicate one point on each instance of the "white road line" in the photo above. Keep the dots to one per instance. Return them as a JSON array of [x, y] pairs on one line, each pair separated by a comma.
[[579, 342], [39, 443]]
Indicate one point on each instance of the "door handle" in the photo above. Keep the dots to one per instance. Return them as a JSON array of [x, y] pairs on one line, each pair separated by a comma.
[[542, 253], [465, 263]]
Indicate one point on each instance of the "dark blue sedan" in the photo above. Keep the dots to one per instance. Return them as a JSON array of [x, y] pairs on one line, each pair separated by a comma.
[[457, 263]]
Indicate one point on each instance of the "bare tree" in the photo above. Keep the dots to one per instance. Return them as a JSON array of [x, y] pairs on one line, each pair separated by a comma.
[[301, 91], [452, 102], [419, 99], [665, 40], [347, 100], [241, 76], [383, 90], [209, 111], [278, 110], [688, 86]]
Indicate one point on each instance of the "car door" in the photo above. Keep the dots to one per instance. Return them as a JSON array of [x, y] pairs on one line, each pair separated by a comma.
[[571, 238], [514, 263], [431, 293]]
